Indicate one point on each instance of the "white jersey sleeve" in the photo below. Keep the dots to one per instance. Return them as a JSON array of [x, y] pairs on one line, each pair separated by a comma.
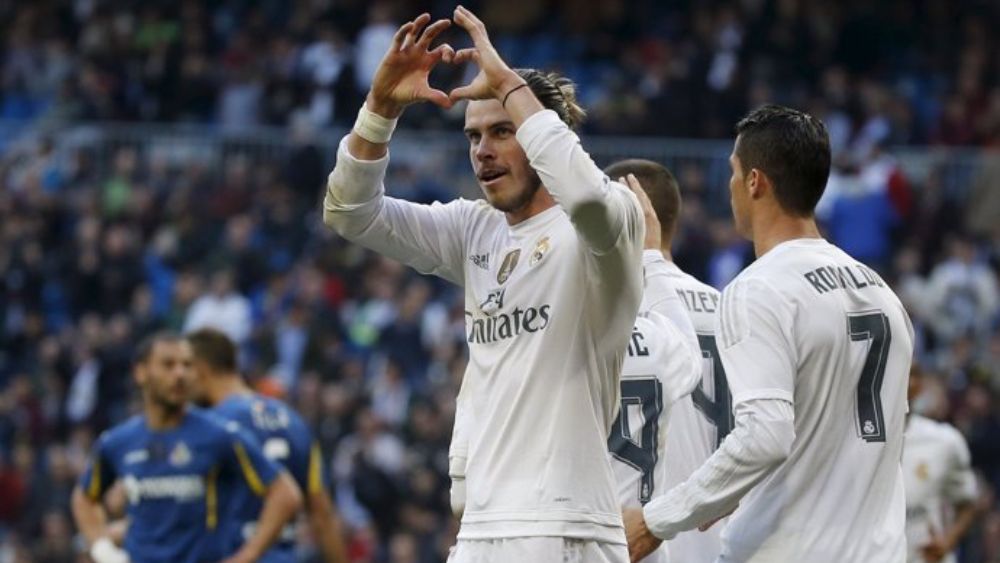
[[428, 238], [756, 347], [605, 213], [761, 439]]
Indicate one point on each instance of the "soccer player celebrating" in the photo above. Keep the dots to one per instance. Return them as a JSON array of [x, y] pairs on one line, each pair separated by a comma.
[[698, 421], [551, 266], [817, 352], [173, 461], [285, 439], [662, 365], [940, 485]]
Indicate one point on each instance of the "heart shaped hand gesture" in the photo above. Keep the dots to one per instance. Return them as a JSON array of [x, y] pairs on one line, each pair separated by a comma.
[[495, 78], [401, 78]]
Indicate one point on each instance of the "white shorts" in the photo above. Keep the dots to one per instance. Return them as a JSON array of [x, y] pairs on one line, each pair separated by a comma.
[[537, 550]]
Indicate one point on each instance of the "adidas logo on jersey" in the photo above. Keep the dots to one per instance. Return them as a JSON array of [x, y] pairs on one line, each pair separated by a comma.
[[481, 260]]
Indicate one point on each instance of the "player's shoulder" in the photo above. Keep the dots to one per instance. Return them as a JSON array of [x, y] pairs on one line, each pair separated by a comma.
[[684, 280], [473, 209], [210, 424], [126, 432], [926, 428]]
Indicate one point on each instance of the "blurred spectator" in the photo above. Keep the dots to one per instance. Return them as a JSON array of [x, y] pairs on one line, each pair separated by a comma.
[[223, 308], [962, 293]]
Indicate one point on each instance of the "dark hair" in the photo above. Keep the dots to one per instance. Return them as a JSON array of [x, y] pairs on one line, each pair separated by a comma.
[[555, 92], [792, 148], [145, 347], [659, 184], [214, 348]]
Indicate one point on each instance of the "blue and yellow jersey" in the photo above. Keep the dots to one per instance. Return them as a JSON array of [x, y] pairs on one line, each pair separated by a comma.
[[173, 479], [285, 439]]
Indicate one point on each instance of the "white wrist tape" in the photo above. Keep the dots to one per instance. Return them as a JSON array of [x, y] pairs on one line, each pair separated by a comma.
[[105, 551], [372, 127]]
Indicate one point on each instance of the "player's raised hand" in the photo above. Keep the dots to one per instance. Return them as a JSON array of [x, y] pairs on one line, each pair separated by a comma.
[[495, 78], [652, 241], [641, 542], [402, 77]]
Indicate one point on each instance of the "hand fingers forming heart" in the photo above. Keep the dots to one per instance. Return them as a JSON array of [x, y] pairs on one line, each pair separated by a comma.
[[414, 32], [432, 32]]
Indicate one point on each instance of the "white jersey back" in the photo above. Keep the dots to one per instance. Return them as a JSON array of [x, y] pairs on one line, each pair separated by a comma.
[[937, 475], [808, 324], [700, 421]]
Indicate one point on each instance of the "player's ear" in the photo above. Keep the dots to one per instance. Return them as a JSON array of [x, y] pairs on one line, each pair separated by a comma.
[[139, 374], [757, 183]]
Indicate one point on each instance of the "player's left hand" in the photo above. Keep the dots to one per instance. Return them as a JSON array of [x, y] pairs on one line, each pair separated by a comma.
[[641, 542], [495, 78], [652, 241], [936, 548]]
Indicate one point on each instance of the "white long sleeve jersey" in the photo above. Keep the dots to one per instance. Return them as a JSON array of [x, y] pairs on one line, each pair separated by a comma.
[[549, 305], [662, 366], [811, 338]]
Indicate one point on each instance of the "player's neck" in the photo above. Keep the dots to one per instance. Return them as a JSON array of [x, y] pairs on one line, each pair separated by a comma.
[[162, 417], [541, 201], [770, 230], [665, 247], [225, 386]]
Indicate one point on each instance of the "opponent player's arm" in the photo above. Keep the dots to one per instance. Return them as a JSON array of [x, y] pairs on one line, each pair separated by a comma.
[[282, 497], [88, 509], [323, 518], [282, 500]]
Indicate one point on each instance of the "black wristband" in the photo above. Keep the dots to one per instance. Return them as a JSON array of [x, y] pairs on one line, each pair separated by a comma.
[[512, 90]]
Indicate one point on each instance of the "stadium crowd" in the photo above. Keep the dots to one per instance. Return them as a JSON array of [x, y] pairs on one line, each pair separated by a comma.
[[368, 352], [897, 72]]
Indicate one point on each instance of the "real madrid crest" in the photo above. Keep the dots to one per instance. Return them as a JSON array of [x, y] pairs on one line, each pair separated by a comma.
[[541, 248], [508, 265], [180, 455]]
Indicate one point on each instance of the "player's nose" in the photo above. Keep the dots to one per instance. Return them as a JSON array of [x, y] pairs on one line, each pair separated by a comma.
[[484, 150]]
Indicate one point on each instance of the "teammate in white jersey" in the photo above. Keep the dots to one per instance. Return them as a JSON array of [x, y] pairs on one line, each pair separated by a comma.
[[817, 352], [662, 365], [551, 266], [700, 421], [940, 485]]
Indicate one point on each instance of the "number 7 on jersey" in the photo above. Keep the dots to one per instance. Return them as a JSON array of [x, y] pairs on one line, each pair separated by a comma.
[[872, 328]]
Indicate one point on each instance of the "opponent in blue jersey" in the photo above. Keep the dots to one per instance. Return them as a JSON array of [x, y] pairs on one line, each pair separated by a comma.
[[285, 439], [173, 461]]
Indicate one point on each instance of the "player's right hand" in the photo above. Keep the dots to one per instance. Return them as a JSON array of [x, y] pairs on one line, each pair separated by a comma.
[[402, 77], [105, 551], [652, 240], [641, 542]]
